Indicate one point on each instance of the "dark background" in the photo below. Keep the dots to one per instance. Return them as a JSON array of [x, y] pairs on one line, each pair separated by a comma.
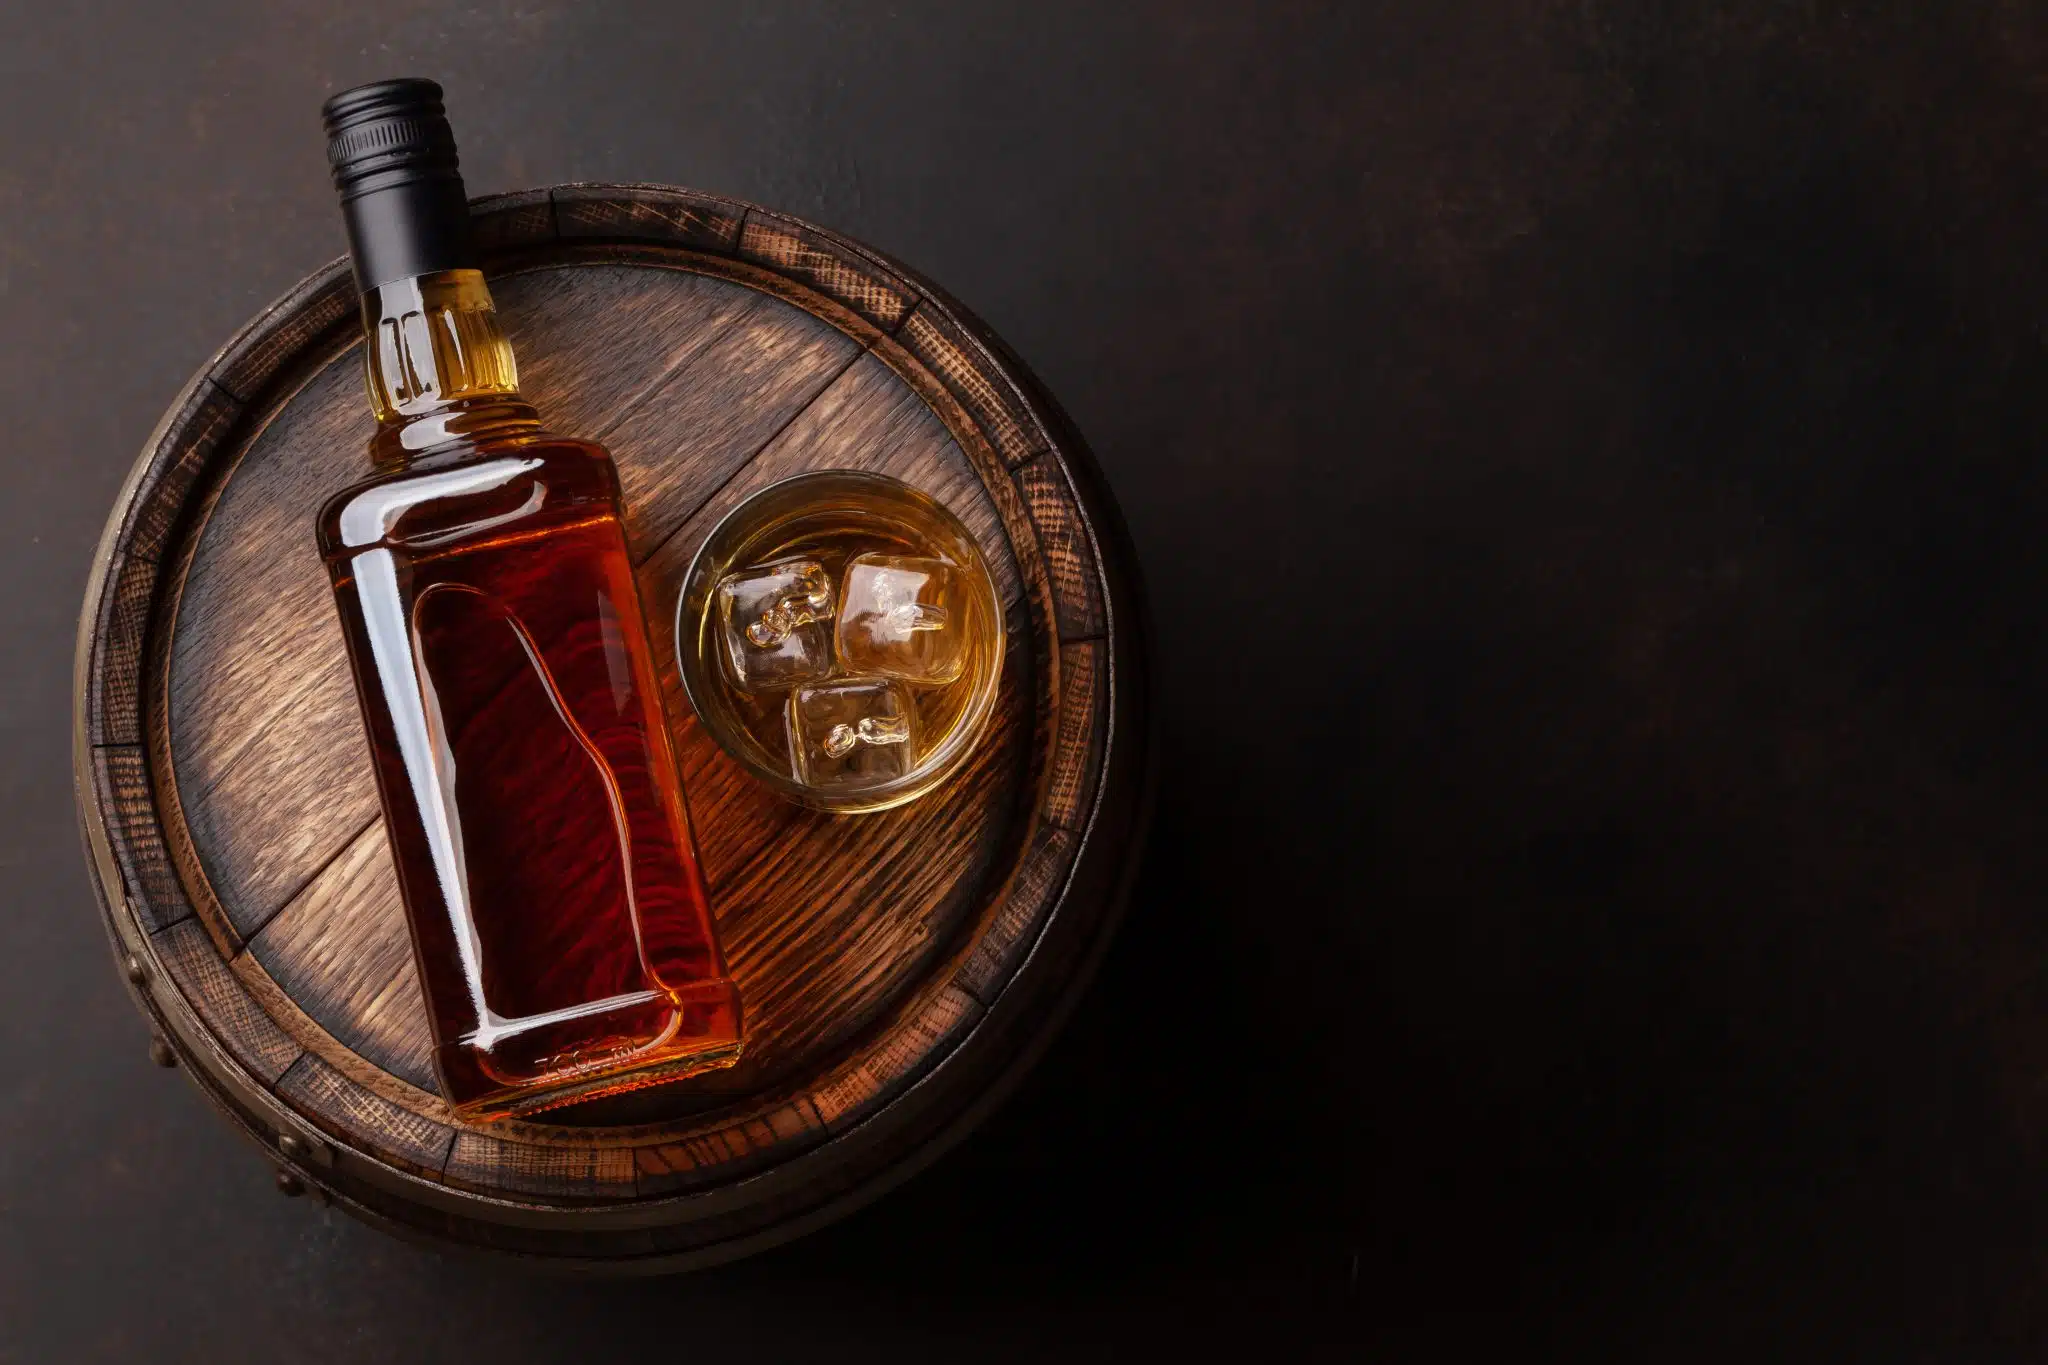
[[1587, 460]]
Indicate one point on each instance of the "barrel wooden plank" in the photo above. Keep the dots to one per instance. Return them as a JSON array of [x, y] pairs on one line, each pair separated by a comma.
[[321, 310], [481, 1161], [342, 951], [962, 365], [730, 812], [251, 597], [224, 768], [914, 1047], [1068, 551], [345, 1110], [736, 1149], [1083, 690], [285, 808], [743, 387], [571, 322], [191, 436], [647, 212], [113, 685], [997, 950], [189, 958], [506, 223], [194, 435], [150, 887], [861, 283]]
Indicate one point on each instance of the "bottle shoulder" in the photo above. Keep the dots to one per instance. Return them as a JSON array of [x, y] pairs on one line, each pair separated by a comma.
[[535, 476]]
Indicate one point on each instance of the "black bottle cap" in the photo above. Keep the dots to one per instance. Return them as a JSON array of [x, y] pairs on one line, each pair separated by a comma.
[[393, 155]]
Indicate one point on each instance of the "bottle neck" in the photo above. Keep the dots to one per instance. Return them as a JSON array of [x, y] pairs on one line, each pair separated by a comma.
[[439, 370]]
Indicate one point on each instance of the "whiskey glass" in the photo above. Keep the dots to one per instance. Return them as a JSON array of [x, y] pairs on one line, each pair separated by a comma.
[[839, 634]]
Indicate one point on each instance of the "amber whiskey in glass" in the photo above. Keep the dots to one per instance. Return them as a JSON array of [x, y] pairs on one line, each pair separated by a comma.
[[559, 919]]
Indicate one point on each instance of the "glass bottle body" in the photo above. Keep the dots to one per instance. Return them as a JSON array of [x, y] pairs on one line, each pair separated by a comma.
[[536, 819]]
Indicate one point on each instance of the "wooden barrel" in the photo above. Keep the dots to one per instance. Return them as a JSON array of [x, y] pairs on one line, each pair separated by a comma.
[[898, 970]]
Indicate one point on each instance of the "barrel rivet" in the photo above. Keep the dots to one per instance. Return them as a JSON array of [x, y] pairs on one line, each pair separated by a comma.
[[293, 1146], [135, 970], [160, 1053], [289, 1185]]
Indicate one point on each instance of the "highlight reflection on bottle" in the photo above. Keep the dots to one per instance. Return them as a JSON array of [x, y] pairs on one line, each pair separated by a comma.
[[559, 918]]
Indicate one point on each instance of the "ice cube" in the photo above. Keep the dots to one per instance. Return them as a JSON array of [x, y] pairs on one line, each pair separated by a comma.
[[776, 622], [903, 618], [850, 733]]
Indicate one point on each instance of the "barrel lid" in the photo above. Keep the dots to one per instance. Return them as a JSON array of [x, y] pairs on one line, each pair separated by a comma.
[[900, 969]]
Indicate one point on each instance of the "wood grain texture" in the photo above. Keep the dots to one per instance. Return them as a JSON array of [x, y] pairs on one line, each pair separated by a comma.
[[191, 435], [1083, 689], [866, 948], [1068, 551], [750, 378], [594, 341], [342, 951], [494, 1165], [277, 815], [1019, 915], [850, 277], [121, 793], [503, 223], [191, 439], [189, 958], [903, 1055], [252, 629], [728, 1152], [113, 695], [965, 369], [641, 213], [322, 307], [345, 1110]]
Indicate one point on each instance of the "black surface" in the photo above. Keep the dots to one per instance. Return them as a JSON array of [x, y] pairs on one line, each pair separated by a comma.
[[1587, 460]]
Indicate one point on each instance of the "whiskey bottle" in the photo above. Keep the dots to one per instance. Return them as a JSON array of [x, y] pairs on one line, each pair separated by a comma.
[[559, 919]]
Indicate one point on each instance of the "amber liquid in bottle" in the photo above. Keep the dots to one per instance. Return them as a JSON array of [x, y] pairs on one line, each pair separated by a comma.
[[559, 918]]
